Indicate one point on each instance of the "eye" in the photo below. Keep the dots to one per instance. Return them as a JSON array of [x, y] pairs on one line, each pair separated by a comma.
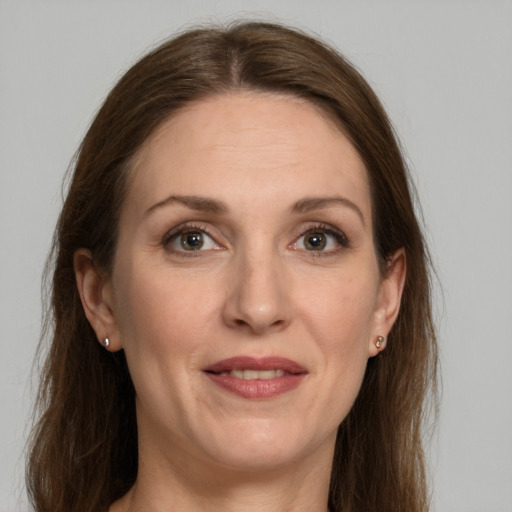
[[321, 239], [190, 240], [315, 241]]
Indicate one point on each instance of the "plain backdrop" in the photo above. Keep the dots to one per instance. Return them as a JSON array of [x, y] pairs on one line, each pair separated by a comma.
[[443, 71]]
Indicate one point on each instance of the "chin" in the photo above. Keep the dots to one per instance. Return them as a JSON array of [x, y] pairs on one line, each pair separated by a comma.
[[262, 446], [241, 457]]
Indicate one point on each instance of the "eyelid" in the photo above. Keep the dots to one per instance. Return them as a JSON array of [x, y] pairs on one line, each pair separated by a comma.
[[321, 227], [328, 229], [184, 228]]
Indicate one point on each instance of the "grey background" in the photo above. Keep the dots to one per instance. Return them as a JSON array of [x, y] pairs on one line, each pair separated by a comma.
[[444, 72]]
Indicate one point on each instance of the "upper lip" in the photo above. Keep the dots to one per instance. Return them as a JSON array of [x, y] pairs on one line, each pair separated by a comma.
[[256, 363]]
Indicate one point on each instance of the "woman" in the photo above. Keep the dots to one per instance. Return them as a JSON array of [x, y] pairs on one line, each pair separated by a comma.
[[240, 301]]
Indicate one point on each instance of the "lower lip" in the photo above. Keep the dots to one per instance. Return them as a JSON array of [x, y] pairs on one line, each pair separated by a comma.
[[257, 389]]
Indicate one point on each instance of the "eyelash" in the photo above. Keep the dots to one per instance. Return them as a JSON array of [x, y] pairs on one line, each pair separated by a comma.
[[179, 230], [325, 229]]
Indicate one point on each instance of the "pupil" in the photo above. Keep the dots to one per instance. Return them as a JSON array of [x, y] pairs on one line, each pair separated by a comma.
[[192, 241], [315, 241]]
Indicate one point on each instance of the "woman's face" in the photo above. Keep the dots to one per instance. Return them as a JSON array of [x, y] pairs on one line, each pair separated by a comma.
[[246, 291]]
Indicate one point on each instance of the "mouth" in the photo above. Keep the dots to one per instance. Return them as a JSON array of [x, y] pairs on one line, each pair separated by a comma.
[[256, 378], [254, 374]]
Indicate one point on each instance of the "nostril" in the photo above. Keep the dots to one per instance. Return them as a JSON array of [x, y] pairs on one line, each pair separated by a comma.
[[258, 326]]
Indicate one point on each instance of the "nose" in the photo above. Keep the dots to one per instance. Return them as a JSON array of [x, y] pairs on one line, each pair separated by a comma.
[[258, 296]]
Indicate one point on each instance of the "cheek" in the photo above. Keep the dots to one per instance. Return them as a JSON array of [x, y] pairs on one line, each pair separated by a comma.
[[163, 332], [341, 308], [339, 318], [345, 324], [159, 315]]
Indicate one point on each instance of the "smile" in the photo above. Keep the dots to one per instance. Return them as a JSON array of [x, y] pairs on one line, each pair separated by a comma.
[[256, 378]]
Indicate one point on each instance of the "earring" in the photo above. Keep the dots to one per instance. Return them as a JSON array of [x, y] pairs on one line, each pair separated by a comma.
[[380, 341], [106, 342]]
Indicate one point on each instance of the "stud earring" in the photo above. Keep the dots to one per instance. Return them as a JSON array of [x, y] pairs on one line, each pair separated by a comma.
[[379, 342], [106, 342]]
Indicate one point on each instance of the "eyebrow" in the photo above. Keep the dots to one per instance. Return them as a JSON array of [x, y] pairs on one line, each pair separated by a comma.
[[199, 203], [208, 205], [316, 203]]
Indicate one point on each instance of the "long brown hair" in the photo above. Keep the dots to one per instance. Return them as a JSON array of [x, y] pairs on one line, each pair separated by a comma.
[[84, 446]]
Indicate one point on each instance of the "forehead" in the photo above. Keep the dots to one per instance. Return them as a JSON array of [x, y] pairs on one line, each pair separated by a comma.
[[277, 146]]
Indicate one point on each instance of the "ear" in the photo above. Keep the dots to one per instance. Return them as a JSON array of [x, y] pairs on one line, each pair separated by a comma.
[[95, 291], [388, 301]]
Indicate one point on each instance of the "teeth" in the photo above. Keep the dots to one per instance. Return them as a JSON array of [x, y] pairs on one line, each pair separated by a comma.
[[255, 374]]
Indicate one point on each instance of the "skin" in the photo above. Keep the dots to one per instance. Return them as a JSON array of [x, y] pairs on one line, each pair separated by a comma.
[[255, 288]]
